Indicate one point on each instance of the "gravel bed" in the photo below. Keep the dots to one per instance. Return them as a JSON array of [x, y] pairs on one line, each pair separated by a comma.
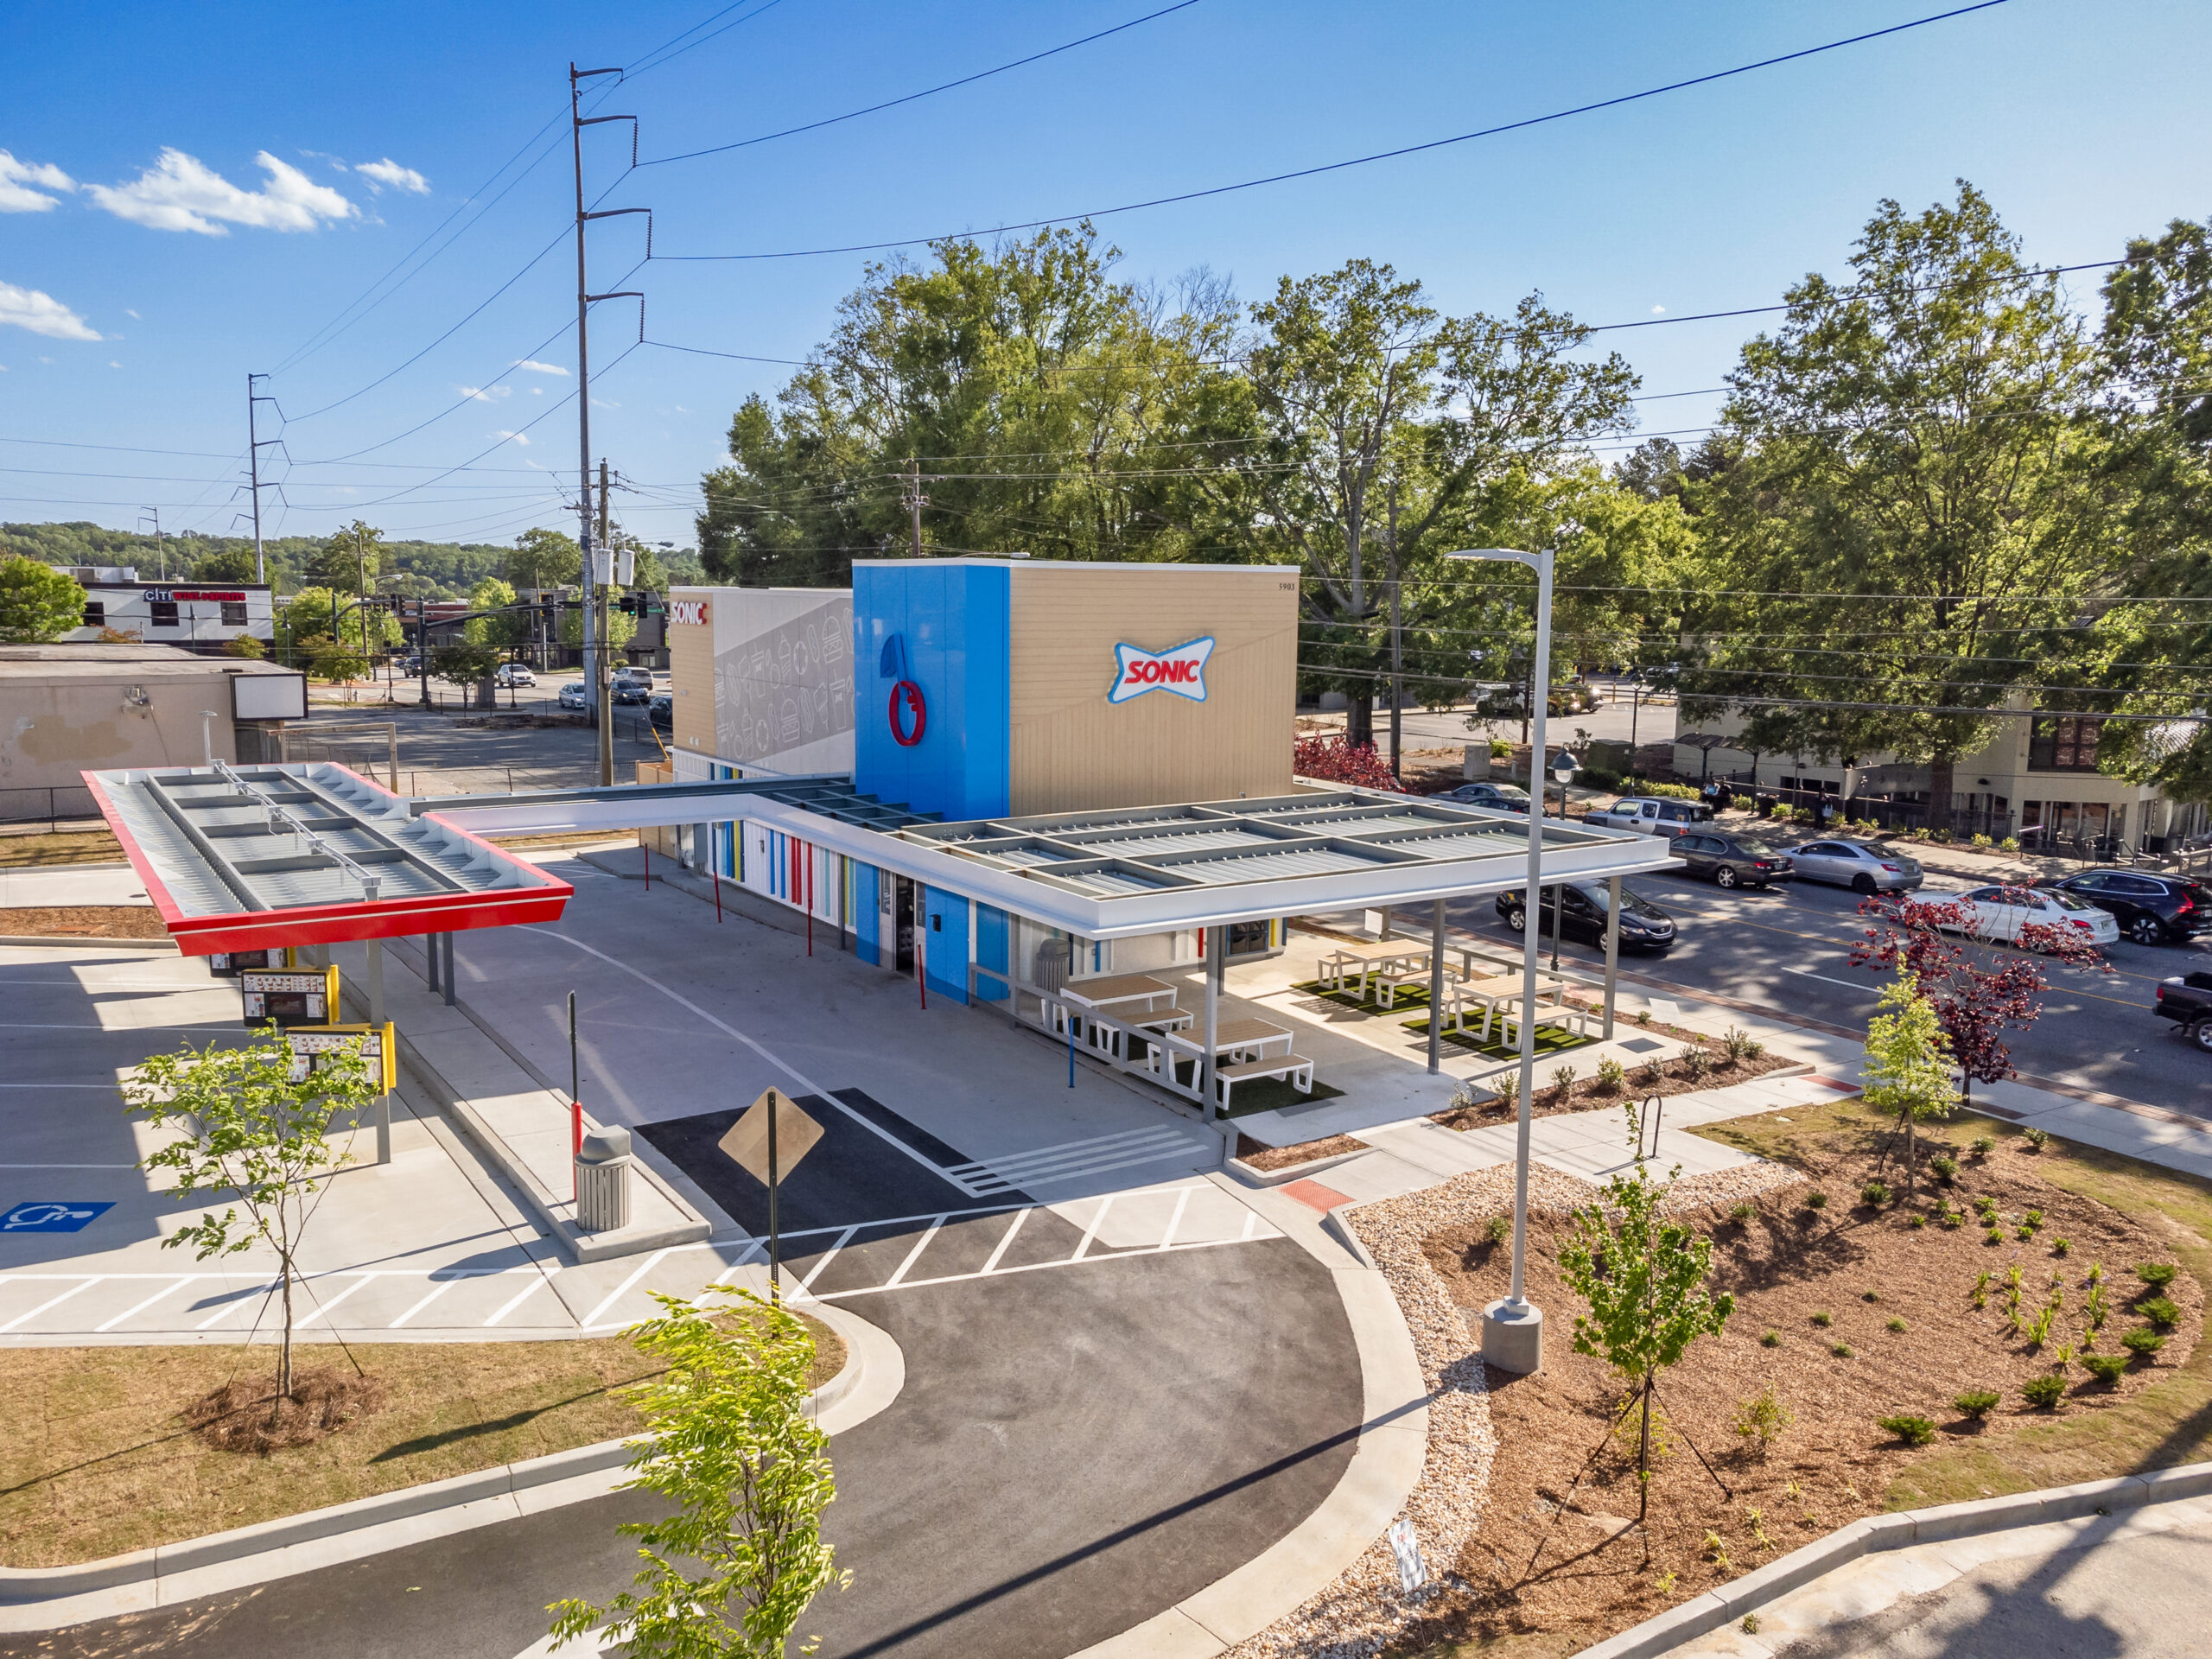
[[1364, 1611]]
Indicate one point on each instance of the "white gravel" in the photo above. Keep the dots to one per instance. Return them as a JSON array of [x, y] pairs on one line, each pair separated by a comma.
[[1364, 1611]]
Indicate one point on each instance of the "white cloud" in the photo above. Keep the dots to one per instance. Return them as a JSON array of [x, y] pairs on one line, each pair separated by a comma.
[[483, 394], [41, 313], [538, 391], [389, 172], [1658, 310], [133, 316], [15, 177], [536, 367], [182, 193], [522, 438], [112, 363]]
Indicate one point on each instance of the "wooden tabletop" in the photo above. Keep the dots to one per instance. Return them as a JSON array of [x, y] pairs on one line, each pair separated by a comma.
[[1507, 984], [1115, 988]]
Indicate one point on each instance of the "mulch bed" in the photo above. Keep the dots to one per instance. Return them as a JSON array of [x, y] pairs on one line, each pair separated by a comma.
[[83, 921], [1587, 1094], [1556, 1553], [247, 1415], [1251, 1152]]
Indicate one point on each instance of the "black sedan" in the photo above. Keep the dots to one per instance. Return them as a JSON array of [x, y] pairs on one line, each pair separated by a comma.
[[1499, 798], [1729, 861], [1581, 911], [2150, 909]]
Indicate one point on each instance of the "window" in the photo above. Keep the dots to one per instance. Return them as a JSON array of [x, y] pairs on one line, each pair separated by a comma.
[[163, 613], [95, 613], [234, 614], [2069, 745], [1250, 938]]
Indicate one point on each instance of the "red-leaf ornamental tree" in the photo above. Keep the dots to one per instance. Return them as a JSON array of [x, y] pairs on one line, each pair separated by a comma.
[[1332, 759], [1979, 993]]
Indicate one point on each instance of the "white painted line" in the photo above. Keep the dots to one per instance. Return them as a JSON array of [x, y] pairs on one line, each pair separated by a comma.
[[1028, 1266], [915, 1254], [322, 1308], [140, 1307], [642, 1270], [233, 1307], [1090, 1232], [1182, 1201], [1251, 1220], [68, 1166], [196, 1025], [1000, 1249], [53, 1301], [437, 1289], [1866, 986], [104, 1088], [828, 1256], [536, 1277]]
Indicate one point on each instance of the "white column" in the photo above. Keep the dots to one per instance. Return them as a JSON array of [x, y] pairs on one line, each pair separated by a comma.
[[1612, 948], [1436, 988], [1217, 962]]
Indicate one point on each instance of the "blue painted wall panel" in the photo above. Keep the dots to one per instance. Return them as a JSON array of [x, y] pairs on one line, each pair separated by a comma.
[[953, 623], [991, 951], [946, 948], [866, 912]]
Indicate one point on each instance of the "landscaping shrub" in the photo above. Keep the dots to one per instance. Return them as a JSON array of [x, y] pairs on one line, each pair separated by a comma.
[[1912, 1430], [2143, 1341], [1915, 1220], [1870, 1295], [1983, 1145], [1945, 1166], [1741, 1045], [1994, 1236], [2037, 1139], [1816, 1200], [1874, 1194], [1743, 1213], [1771, 1339], [1562, 1081], [2106, 1368], [2061, 1246], [1977, 1403], [1497, 1231], [2043, 1392], [1897, 1325], [2033, 1219], [1611, 1074], [1697, 1064], [1823, 1318], [2161, 1311], [1841, 1350], [1651, 1074], [1762, 1417], [2156, 1275]]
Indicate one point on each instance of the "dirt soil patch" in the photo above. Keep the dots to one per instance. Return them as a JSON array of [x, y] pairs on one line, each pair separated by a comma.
[[102, 1455], [1258, 1156], [84, 921], [24, 851], [1587, 1094], [1848, 1314]]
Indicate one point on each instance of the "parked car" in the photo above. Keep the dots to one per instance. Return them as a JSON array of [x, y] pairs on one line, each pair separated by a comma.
[[576, 695], [1729, 861], [1652, 816], [514, 674], [2187, 1000], [1999, 914], [1644, 927], [1853, 864], [2150, 909], [627, 690], [662, 711], [1499, 798]]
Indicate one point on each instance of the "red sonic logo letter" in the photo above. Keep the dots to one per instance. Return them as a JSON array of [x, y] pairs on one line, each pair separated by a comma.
[[1181, 668]]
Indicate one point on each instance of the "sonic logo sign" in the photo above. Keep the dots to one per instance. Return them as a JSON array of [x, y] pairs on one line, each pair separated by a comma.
[[1180, 668], [691, 612]]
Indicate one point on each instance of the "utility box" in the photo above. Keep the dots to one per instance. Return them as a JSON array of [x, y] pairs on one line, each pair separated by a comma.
[[603, 1181], [1474, 763]]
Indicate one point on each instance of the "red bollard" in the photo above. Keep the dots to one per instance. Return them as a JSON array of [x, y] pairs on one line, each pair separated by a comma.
[[715, 876], [809, 901]]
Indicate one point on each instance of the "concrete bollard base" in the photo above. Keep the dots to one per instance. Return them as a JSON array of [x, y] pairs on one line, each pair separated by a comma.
[[1513, 1337]]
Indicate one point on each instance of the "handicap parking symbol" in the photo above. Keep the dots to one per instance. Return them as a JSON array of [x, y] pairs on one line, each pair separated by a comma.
[[50, 1217]]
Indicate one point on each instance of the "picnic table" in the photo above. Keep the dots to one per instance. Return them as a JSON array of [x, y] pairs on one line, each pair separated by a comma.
[[1393, 963], [1497, 996]]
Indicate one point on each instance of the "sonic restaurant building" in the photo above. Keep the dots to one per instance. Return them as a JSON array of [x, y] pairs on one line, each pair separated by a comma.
[[986, 688]]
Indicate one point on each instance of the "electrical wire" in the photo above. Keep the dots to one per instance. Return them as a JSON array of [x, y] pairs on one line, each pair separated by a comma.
[[1363, 161]]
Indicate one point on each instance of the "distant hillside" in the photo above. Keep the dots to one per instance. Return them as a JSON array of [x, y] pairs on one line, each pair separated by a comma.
[[453, 568]]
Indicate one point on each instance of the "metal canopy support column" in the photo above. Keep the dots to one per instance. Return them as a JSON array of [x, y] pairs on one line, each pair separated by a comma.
[[1217, 962], [373, 978], [1612, 948], [430, 962], [446, 950], [1435, 988]]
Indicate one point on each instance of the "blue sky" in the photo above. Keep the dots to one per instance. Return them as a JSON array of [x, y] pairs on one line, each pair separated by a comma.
[[195, 192]]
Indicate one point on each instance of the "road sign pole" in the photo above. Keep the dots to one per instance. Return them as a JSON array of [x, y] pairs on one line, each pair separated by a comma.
[[775, 1236]]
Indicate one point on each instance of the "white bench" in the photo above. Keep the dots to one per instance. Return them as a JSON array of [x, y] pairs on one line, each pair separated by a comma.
[[1572, 1014], [1296, 1068]]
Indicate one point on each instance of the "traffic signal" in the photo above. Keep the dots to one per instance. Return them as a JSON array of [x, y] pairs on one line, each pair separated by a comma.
[[631, 604]]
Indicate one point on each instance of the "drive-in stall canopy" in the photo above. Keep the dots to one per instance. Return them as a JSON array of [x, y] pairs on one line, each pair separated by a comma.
[[247, 858]]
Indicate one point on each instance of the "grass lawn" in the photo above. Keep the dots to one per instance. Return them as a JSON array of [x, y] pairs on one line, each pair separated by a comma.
[[2168, 1423], [68, 847], [97, 1460], [1550, 1039]]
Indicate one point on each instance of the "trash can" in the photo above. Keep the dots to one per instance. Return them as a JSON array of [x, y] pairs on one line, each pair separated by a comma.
[[603, 1181]]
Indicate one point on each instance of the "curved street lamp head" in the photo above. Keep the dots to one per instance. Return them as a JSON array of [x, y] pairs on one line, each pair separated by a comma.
[[1509, 554]]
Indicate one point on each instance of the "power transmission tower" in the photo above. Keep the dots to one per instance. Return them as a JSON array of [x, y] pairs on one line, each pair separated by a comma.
[[161, 552], [255, 444]]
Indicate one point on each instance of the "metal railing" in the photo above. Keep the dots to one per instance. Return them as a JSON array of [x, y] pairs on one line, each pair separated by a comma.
[[54, 806]]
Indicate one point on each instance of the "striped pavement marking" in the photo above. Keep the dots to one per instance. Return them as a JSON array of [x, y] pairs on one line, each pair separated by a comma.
[[1072, 1160]]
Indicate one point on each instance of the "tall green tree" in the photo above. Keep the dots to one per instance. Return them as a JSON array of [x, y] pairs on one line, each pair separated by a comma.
[[348, 560], [1386, 425], [544, 558], [316, 613], [1917, 440], [730, 1448], [38, 602]]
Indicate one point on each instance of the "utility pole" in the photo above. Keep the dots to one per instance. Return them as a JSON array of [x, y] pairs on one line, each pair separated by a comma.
[[915, 501], [361, 586], [254, 444], [1397, 637], [161, 551], [603, 673], [422, 644]]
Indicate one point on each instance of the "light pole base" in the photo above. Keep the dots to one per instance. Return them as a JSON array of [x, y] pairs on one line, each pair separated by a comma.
[[1513, 1337]]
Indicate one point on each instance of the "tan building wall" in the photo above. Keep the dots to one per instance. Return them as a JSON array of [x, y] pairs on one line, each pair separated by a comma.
[[763, 676], [1070, 748]]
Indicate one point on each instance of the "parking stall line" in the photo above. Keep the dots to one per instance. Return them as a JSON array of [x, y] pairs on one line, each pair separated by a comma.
[[538, 1277], [1000, 1250], [322, 1308], [54, 1302], [1083, 1249], [828, 1256], [140, 1307], [623, 1289], [1251, 1220], [915, 1254], [437, 1289]]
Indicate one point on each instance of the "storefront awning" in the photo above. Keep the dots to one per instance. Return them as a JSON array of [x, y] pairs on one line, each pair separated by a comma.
[[244, 858]]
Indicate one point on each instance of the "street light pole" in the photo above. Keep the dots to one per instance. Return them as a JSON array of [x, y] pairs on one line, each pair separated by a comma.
[[1513, 1328]]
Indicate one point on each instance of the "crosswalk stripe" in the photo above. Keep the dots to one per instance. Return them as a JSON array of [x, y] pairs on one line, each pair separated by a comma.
[[915, 1254], [1000, 1250], [140, 1307], [1091, 1231]]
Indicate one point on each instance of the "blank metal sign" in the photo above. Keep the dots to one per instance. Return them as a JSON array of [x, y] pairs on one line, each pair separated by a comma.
[[746, 1143]]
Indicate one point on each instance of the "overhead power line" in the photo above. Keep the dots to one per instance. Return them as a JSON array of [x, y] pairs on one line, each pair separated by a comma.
[[1378, 155]]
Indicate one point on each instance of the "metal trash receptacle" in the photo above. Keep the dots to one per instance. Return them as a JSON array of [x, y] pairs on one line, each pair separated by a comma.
[[603, 1181]]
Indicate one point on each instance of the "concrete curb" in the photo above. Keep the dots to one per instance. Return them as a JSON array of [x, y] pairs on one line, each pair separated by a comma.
[[1253, 1176], [1393, 1450], [1710, 1612], [42, 940], [34, 1598]]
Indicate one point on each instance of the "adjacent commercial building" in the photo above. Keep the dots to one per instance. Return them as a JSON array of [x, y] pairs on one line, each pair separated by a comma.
[[202, 617]]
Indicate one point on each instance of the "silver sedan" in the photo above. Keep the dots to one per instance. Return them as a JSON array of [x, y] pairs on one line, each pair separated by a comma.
[[1853, 864]]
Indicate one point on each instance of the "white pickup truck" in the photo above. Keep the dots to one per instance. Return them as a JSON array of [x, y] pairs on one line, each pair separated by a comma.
[[1653, 816]]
